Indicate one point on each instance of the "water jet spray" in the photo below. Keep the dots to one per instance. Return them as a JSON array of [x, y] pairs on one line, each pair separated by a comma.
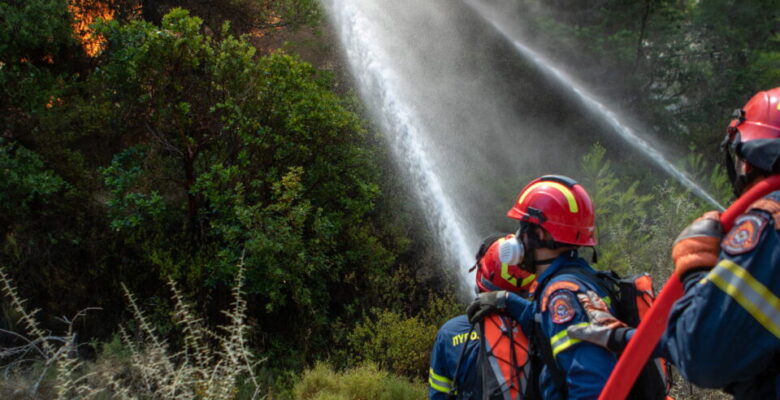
[[420, 69], [595, 106], [382, 90]]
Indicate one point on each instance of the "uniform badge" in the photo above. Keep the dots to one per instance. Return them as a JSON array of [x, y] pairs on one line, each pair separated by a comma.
[[562, 307], [556, 286], [745, 235]]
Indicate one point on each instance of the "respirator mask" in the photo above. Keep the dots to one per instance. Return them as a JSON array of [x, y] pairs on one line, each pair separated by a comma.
[[519, 249]]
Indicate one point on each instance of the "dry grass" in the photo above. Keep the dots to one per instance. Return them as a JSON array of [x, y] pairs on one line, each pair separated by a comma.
[[211, 365]]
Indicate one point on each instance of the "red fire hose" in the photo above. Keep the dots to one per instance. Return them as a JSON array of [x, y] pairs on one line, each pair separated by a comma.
[[654, 323]]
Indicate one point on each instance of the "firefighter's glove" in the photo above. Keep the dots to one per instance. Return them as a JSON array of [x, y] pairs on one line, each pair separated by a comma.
[[604, 329], [698, 246], [485, 304]]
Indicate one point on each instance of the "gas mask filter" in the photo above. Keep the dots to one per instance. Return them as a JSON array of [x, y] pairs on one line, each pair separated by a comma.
[[511, 251]]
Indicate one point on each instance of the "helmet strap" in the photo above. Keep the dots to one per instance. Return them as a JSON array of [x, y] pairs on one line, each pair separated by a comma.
[[543, 244], [732, 148], [527, 236], [531, 240], [741, 181], [528, 265], [545, 261], [729, 161]]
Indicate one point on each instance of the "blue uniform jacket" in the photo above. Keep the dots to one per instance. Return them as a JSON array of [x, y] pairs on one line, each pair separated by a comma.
[[586, 366], [725, 330], [447, 349]]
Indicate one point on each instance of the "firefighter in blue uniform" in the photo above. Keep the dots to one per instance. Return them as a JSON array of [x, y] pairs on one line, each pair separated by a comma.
[[725, 331], [454, 370], [556, 218]]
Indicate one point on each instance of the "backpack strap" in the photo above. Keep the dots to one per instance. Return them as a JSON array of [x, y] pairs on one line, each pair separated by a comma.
[[541, 344], [484, 366], [544, 353], [769, 205]]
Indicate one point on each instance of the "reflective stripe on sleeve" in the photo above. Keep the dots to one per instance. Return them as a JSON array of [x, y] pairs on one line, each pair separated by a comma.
[[528, 280], [751, 294], [439, 383], [561, 340]]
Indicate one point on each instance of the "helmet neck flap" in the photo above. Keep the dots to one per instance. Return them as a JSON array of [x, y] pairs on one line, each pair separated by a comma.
[[753, 136]]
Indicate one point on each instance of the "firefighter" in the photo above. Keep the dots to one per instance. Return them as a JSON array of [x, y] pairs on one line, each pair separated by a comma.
[[725, 331], [456, 370], [556, 219]]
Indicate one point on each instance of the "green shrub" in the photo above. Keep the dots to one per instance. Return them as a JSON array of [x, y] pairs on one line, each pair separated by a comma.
[[361, 383], [400, 344], [637, 225], [441, 308]]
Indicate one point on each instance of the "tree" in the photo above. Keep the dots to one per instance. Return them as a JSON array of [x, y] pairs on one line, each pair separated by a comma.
[[175, 152], [231, 156]]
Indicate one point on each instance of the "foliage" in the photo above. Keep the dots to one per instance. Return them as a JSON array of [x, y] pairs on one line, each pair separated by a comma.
[[25, 183], [259, 17], [677, 64], [713, 176], [128, 209], [622, 212], [32, 30], [364, 382], [401, 345], [238, 156], [636, 226], [176, 152]]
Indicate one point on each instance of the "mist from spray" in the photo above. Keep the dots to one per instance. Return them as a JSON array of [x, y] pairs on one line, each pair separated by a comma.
[[597, 107], [468, 119], [383, 91]]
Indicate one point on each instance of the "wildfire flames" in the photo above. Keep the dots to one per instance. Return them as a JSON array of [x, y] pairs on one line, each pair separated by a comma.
[[85, 12]]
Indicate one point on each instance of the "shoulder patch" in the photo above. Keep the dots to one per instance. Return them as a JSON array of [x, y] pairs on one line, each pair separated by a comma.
[[745, 235], [562, 307], [555, 286]]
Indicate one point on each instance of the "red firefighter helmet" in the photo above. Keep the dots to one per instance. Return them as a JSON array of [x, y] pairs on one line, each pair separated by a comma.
[[561, 206], [493, 275], [752, 135]]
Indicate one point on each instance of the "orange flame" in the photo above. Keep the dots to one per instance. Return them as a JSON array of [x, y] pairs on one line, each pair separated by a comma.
[[86, 14], [54, 101]]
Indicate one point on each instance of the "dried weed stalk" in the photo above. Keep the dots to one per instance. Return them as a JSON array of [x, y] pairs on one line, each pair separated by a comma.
[[210, 366]]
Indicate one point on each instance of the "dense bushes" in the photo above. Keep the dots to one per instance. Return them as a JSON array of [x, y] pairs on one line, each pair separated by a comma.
[[238, 157], [364, 382], [176, 152], [399, 343]]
